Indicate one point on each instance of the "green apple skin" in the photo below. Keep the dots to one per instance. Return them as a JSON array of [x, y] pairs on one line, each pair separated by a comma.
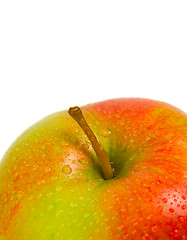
[[51, 186]]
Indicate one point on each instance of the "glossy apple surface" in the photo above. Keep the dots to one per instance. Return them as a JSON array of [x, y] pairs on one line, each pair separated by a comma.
[[51, 187]]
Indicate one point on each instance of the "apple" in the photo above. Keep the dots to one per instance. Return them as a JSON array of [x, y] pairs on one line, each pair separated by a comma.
[[115, 170]]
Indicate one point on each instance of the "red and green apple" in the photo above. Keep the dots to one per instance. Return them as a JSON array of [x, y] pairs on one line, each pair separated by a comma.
[[125, 177]]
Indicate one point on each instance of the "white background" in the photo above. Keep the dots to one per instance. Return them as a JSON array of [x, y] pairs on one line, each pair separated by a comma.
[[57, 54]]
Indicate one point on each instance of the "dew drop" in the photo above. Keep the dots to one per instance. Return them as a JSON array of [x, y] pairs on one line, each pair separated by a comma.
[[181, 219], [175, 233], [39, 182], [158, 182], [184, 197], [86, 215], [49, 194], [154, 228], [135, 224], [105, 133], [47, 169], [145, 237], [73, 205], [85, 147], [82, 161], [126, 236], [62, 225], [58, 188], [148, 138], [183, 207], [171, 210], [50, 207], [84, 228], [160, 208], [20, 194], [117, 116], [164, 200], [31, 198], [134, 232], [67, 169], [67, 153], [149, 217], [98, 109]]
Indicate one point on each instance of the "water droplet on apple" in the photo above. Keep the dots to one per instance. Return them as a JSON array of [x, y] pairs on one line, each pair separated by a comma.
[[39, 195], [67, 153], [83, 161], [85, 147], [67, 169], [105, 133], [35, 167], [135, 224], [118, 116], [149, 217], [31, 198], [49, 194], [33, 209], [158, 182], [160, 209], [171, 210], [17, 149], [148, 138], [183, 197], [154, 228], [181, 219], [73, 205], [58, 188], [62, 225], [47, 169], [86, 215], [164, 200], [39, 182], [83, 229], [91, 223], [145, 237], [98, 109], [50, 207], [183, 207], [175, 233], [20, 194]]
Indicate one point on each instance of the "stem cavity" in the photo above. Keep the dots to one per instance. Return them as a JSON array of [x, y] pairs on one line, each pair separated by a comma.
[[76, 114]]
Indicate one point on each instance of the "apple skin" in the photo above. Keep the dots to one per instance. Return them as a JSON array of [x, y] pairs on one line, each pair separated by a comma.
[[51, 186]]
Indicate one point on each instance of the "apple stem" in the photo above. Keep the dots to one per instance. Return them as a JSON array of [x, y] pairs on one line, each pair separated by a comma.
[[76, 114]]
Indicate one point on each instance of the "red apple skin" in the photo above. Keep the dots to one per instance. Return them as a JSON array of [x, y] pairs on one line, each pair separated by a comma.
[[52, 188]]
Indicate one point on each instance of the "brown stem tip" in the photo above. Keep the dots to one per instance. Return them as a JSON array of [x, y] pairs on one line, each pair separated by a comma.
[[76, 114]]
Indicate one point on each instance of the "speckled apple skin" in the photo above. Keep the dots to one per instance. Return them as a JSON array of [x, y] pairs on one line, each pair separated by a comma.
[[51, 187]]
